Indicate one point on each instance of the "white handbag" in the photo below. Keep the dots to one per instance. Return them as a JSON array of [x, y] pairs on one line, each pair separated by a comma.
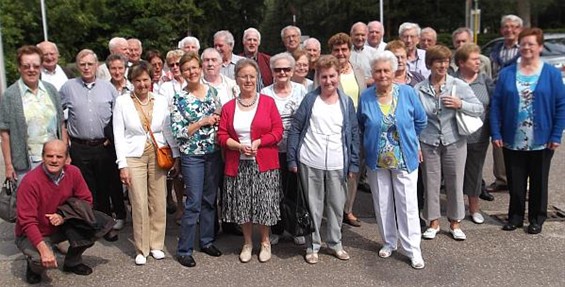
[[466, 124]]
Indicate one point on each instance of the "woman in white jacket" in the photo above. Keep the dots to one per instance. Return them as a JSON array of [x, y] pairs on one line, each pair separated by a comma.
[[134, 114]]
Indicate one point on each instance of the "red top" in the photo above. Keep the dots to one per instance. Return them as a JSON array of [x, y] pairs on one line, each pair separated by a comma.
[[266, 125], [38, 195]]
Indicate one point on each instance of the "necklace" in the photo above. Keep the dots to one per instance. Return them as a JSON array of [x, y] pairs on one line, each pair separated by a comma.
[[240, 101], [140, 102]]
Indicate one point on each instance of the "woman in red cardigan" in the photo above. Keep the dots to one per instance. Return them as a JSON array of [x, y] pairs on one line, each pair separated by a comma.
[[250, 129]]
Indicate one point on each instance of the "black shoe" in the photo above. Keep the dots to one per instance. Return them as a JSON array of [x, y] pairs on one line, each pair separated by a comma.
[[534, 228], [485, 195], [354, 223], [80, 269], [32, 277], [497, 187], [364, 187], [511, 226], [211, 250], [111, 236], [186, 260]]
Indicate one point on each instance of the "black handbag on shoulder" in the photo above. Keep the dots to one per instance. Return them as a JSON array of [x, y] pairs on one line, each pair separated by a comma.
[[8, 201]]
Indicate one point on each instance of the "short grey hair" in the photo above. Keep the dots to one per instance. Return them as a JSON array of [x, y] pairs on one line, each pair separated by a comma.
[[462, 30], [189, 40], [135, 40], [116, 57], [385, 56], [116, 41], [358, 24], [290, 27], [409, 26], [85, 52], [511, 18], [312, 41], [252, 30], [379, 24], [213, 51], [226, 35], [47, 43], [431, 31], [282, 56]]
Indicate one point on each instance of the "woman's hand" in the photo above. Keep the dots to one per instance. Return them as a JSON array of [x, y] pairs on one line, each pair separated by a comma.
[[125, 176], [255, 146], [497, 143], [420, 156], [246, 150], [553, 146], [55, 219], [452, 102], [209, 120], [11, 173], [293, 169], [352, 174]]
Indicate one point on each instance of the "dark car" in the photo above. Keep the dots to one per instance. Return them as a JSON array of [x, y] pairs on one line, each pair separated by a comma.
[[553, 50]]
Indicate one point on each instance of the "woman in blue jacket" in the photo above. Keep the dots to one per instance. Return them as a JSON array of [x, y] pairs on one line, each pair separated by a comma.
[[390, 119], [527, 120]]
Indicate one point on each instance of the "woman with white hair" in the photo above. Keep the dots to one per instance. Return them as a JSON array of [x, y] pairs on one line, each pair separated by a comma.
[[288, 95], [189, 44], [390, 120]]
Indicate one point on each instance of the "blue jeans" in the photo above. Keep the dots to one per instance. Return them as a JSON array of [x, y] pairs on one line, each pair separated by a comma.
[[202, 175]]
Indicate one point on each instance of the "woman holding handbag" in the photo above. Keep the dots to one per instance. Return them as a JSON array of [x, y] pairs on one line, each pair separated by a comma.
[[194, 118], [141, 127]]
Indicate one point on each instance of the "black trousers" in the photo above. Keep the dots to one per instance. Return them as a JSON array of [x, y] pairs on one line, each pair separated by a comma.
[[98, 167], [522, 166]]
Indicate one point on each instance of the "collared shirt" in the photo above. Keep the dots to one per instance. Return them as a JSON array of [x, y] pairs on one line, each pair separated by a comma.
[[505, 55], [228, 69], [380, 47], [419, 64], [170, 89], [56, 179], [227, 89], [127, 88], [362, 58], [56, 78], [41, 118], [88, 107]]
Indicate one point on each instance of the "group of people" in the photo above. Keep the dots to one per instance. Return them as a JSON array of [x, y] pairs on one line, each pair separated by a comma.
[[248, 130]]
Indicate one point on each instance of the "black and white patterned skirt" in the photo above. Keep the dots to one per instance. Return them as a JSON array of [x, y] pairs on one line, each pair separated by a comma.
[[252, 196]]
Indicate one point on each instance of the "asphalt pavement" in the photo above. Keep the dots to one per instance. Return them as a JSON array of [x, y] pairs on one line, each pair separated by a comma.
[[489, 257]]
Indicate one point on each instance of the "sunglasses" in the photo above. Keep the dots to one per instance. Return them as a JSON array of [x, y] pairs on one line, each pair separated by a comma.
[[175, 64], [278, 70]]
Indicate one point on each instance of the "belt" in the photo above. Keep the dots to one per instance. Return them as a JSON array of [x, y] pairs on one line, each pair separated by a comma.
[[93, 142]]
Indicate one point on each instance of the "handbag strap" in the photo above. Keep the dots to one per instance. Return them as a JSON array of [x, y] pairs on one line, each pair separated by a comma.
[[146, 123]]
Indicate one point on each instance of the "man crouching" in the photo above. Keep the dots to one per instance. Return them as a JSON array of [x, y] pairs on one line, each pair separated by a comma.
[[40, 193]]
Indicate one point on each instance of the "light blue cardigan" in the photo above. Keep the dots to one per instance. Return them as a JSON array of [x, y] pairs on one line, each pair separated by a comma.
[[411, 119]]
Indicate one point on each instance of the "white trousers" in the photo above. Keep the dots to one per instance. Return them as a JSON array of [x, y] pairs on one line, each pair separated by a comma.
[[396, 208]]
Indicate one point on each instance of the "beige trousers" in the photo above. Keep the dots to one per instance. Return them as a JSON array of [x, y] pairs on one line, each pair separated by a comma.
[[147, 195]]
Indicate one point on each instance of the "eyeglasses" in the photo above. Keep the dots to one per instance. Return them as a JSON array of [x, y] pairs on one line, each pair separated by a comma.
[[285, 69], [29, 66], [175, 64], [298, 65]]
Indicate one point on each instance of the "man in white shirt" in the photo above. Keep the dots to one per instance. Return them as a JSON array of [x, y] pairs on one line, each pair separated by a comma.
[[117, 45], [51, 72], [361, 55], [375, 36], [223, 43], [291, 37], [135, 50]]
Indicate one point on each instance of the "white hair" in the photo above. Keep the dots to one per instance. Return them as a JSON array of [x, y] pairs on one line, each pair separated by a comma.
[[358, 24], [511, 18], [431, 31], [252, 30], [226, 35], [313, 41], [379, 24], [213, 51], [282, 56], [189, 40], [409, 26], [116, 41], [290, 27], [385, 56]]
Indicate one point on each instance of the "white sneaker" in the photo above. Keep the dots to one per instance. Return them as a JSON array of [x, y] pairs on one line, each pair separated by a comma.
[[265, 253], [140, 259], [417, 263], [157, 254], [386, 251], [457, 234], [430, 233], [274, 239], [299, 240], [119, 224], [477, 218]]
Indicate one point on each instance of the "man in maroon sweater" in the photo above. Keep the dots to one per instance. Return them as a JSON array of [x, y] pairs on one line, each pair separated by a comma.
[[41, 191]]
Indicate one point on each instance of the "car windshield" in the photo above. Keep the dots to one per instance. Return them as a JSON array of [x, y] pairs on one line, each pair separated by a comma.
[[554, 47]]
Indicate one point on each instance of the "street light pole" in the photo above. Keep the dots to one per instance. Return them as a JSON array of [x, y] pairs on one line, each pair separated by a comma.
[[44, 19], [2, 66]]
